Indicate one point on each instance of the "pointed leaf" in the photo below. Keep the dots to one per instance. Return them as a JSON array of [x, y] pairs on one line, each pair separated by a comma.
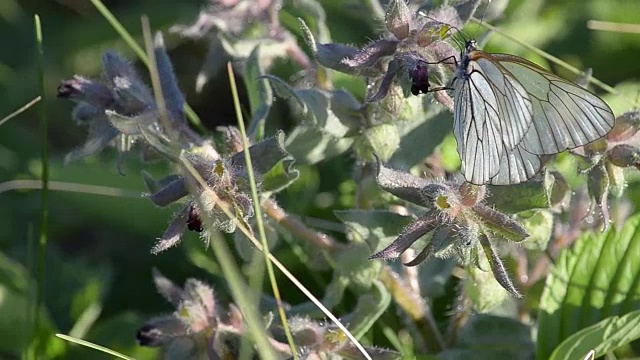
[[259, 93], [376, 227], [265, 154], [419, 139], [401, 184], [409, 235], [174, 232], [130, 125], [100, 135], [280, 176], [166, 287], [171, 192]]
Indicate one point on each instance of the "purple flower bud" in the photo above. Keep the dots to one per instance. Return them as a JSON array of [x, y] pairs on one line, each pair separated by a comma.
[[398, 19], [132, 95], [624, 156], [369, 56], [160, 331], [81, 89], [626, 126]]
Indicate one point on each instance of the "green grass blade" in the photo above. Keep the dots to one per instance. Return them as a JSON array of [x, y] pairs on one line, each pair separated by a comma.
[[239, 289], [20, 111], [44, 205], [258, 212], [94, 346]]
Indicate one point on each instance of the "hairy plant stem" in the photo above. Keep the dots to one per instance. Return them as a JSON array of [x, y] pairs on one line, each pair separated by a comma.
[[462, 308], [408, 300], [416, 308], [299, 229]]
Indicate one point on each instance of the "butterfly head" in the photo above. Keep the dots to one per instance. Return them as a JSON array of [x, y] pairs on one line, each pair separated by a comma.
[[470, 45]]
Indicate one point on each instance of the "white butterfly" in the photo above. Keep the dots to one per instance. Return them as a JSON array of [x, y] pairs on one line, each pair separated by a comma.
[[509, 112]]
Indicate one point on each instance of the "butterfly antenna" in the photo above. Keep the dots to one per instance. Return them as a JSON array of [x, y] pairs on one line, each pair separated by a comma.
[[450, 28], [484, 13]]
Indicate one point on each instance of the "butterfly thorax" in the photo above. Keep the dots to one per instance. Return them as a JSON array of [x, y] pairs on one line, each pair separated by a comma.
[[469, 53]]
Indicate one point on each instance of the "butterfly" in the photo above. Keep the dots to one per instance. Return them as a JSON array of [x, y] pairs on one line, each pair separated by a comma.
[[509, 112]]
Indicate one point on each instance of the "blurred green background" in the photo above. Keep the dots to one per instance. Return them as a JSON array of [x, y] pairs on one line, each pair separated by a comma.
[[98, 260]]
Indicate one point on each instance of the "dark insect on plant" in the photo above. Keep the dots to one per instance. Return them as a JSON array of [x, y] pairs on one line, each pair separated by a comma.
[[420, 79]]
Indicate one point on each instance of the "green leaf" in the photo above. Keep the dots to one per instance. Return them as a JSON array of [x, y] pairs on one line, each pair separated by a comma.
[[259, 93], [245, 247], [519, 197], [595, 279], [367, 230], [280, 176], [242, 48], [539, 225], [382, 140], [492, 337], [370, 307], [335, 112], [310, 145], [603, 337], [265, 155], [377, 228], [419, 139]]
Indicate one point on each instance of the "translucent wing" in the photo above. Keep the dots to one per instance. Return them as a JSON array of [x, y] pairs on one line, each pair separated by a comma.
[[565, 115], [517, 165], [492, 115]]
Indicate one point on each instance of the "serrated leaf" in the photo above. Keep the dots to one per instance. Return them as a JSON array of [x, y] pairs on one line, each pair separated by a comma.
[[259, 93], [603, 337], [593, 280], [492, 337]]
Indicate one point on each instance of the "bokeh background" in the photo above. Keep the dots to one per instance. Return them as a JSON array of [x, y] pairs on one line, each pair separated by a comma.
[[98, 261]]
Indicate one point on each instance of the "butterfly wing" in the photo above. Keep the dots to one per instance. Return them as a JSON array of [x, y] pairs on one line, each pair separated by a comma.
[[492, 115], [565, 115]]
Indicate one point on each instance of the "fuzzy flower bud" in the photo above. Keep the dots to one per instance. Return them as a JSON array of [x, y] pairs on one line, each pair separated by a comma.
[[626, 126], [398, 19], [624, 156]]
